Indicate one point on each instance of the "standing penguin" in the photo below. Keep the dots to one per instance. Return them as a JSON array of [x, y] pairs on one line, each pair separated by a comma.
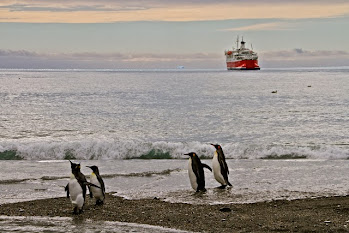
[[220, 167], [196, 172], [96, 179], [76, 188]]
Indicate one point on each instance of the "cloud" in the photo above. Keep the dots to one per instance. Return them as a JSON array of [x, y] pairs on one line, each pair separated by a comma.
[[303, 58], [87, 11], [21, 53], [284, 58], [157, 3], [67, 8], [111, 56], [299, 53], [28, 59], [275, 26]]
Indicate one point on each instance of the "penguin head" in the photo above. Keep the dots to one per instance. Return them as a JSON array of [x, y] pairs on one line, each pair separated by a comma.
[[94, 169], [75, 166], [191, 154], [218, 147]]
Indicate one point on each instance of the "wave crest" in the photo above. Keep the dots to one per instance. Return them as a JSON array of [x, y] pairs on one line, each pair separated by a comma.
[[135, 149]]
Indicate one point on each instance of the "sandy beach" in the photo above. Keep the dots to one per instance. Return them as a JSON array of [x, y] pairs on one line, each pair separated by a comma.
[[326, 214]]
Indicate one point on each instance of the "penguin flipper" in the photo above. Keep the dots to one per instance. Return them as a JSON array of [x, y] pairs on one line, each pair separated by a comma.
[[200, 180], [82, 181], [206, 166], [100, 180], [222, 162], [224, 168], [226, 172], [83, 187], [67, 190], [90, 184]]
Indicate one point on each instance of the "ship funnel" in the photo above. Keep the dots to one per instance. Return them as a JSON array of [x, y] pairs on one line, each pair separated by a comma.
[[242, 44]]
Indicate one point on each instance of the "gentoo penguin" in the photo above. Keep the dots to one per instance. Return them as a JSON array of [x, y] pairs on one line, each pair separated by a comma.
[[196, 172], [220, 167], [96, 179], [76, 188]]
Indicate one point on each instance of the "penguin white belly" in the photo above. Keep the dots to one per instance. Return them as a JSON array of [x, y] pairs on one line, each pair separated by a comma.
[[75, 192], [217, 170], [192, 176], [97, 192]]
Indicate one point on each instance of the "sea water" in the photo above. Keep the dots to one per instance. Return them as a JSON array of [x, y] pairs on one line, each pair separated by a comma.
[[284, 131], [112, 114], [37, 224]]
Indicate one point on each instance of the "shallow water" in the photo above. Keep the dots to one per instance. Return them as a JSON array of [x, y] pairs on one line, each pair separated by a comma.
[[252, 180], [65, 224]]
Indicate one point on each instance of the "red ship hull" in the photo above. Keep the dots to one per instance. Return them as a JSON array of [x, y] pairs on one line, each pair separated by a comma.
[[243, 65]]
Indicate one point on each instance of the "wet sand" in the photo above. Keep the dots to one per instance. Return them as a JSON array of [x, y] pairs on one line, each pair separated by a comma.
[[327, 214]]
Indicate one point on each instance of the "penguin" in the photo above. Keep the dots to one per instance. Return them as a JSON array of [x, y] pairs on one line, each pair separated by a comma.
[[196, 172], [96, 179], [220, 167], [76, 188]]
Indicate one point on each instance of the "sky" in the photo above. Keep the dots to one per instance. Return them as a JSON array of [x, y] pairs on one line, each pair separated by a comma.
[[113, 34]]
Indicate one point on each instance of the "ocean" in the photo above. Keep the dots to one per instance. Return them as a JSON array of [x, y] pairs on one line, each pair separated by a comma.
[[284, 132]]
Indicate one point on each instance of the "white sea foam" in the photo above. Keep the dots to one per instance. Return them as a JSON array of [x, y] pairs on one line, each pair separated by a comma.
[[92, 149]]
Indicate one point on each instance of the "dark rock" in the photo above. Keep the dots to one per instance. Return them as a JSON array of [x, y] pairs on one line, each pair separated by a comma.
[[225, 209]]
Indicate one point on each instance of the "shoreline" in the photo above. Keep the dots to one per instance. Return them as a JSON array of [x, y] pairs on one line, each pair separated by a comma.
[[322, 214]]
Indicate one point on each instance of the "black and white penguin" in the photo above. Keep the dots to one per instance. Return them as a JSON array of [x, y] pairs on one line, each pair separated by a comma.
[[96, 179], [220, 167], [76, 188], [196, 172]]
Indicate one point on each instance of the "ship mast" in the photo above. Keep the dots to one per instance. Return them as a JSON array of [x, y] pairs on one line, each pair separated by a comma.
[[237, 42]]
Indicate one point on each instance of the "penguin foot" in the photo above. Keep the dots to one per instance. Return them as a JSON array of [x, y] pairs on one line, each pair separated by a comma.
[[201, 190], [99, 202], [77, 211]]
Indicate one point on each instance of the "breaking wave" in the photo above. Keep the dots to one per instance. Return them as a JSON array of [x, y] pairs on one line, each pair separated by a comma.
[[113, 149]]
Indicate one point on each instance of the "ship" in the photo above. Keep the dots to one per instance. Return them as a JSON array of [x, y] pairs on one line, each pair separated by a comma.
[[241, 58]]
